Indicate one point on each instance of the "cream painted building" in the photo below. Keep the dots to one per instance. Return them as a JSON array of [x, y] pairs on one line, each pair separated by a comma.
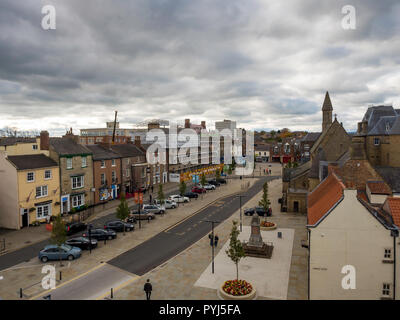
[[29, 189], [346, 230], [15, 146]]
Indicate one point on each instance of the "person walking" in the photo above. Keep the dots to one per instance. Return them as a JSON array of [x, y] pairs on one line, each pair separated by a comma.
[[152, 189], [211, 239], [148, 288], [216, 240], [151, 199]]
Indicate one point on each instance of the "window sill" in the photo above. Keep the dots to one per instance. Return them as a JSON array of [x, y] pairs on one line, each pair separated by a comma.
[[387, 261], [41, 197], [78, 188]]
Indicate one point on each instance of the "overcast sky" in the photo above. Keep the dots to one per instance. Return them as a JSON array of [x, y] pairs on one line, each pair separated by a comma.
[[265, 64]]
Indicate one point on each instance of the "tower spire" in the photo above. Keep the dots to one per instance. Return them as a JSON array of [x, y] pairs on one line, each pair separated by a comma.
[[326, 112]]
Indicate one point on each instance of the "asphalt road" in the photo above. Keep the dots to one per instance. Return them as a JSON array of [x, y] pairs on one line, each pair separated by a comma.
[[24, 254], [169, 243], [153, 252]]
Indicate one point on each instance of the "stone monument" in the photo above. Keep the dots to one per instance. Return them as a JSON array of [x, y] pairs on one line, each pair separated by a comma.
[[256, 246]]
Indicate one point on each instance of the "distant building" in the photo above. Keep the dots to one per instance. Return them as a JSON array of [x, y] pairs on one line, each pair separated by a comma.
[[226, 124]]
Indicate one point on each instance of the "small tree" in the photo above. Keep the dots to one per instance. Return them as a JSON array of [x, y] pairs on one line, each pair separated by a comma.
[[235, 251], [161, 195], [217, 174], [123, 209], [264, 202], [203, 180], [58, 233], [182, 188]]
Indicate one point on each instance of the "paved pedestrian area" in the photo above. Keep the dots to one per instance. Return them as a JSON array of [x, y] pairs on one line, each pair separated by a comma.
[[270, 277], [176, 278]]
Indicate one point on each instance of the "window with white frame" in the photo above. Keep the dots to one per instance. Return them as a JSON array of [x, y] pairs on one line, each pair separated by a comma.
[[127, 160], [41, 191], [77, 182], [376, 141], [113, 162], [386, 290], [84, 162], [78, 200], [69, 163], [103, 178], [30, 176], [43, 211], [388, 253], [47, 174], [34, 147], [113, 177], [127, 172], [103, 164]]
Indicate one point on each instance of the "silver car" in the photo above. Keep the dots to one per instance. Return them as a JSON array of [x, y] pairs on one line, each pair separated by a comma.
[[208, 187], [168, 204], [178, 199], [152, 208]]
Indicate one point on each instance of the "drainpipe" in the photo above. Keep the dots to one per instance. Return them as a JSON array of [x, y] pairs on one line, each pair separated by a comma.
[[394, 233], [308, 271]]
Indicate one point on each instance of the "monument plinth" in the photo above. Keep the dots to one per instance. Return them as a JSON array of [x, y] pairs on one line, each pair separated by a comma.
[[256, 247]]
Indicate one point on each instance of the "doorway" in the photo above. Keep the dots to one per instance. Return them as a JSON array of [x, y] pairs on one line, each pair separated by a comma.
[[296, 206], [25, 220]]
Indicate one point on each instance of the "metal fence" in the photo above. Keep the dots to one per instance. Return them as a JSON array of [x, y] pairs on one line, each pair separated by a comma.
[[79, 216]]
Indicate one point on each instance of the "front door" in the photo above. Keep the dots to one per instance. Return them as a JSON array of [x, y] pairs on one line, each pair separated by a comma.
[[296, 206], [25, 221]]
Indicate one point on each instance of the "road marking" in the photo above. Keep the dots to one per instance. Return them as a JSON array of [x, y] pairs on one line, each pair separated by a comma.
[[124, 284], [66, 282]]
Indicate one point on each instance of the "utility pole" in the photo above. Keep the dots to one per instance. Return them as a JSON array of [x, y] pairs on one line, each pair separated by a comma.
[[212, 241], [115, 124]]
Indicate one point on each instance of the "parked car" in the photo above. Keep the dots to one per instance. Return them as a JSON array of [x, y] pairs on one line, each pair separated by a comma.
[[153, 208], [209, 187], [221, 181], [82, 243], [259, 210], [178, 198], [144, 215], [101, 234], [191, 195], [74, 227], [199, 190], [214, 182], [63, 252], [119, 226], [168, 204]]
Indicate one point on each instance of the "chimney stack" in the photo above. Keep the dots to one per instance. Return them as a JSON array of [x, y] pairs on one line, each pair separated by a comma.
[[44, 140], [153, 125], [137, 142], [187, 123]]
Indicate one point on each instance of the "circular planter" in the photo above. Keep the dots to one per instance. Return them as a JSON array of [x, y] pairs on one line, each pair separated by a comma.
[[269, 228], [227, 296]]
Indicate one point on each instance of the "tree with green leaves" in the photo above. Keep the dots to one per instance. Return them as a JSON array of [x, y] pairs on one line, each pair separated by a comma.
[[235, 251], [203, 180], [58, 233], [217, 174], [161, 196], [264, 202], [123, 209], [182, 188]]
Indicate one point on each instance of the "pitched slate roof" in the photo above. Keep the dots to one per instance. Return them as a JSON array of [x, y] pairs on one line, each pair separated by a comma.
[[32, 161], [66, 146], [324, 197], [9, 141], [291, 173], [378, 187], [127, 150], [311, 136], [391, 176], [382, 120], [102, 153]]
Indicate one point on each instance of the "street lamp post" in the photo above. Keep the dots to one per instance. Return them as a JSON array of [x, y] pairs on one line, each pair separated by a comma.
[[240, 196], [212, 242]]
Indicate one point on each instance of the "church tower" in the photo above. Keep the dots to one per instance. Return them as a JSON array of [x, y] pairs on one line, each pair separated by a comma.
[[326, 112]]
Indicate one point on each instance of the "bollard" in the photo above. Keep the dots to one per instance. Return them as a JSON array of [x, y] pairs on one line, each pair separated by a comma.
[[60, 276], [20, 293], [112, 294]]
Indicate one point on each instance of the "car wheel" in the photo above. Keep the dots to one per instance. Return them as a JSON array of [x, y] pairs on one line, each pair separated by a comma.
[[70, 257], [44, 259], [109, 237], [128, 229]]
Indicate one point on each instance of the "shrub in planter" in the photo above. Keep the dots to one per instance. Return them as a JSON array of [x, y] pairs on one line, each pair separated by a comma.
[[237, 287], [267, 224]]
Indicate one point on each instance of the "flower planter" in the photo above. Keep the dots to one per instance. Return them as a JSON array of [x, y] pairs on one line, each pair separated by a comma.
[[226, 296], [273, 227]]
